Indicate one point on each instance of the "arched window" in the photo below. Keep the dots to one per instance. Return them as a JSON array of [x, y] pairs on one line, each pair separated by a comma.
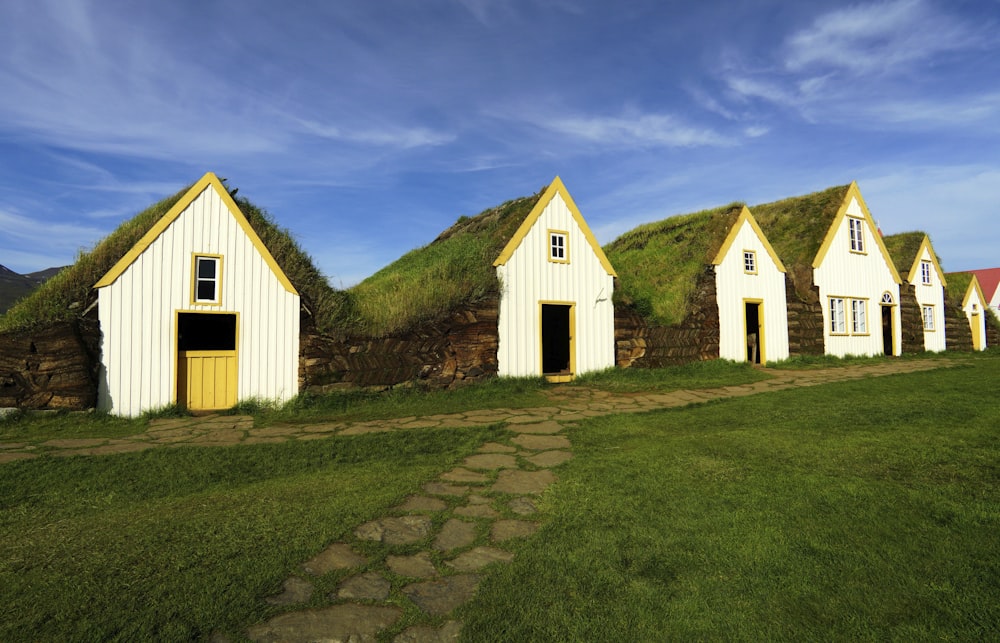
[[887, 299]]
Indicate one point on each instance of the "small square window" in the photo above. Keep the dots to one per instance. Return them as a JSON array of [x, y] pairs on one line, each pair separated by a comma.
[[750, 262], [558, 247], [206, 279]]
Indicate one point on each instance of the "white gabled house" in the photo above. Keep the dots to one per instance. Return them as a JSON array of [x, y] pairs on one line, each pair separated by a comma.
[[857, 282], [964, 290], [750, 290], [923, 289], [197, 313], [556, 317]]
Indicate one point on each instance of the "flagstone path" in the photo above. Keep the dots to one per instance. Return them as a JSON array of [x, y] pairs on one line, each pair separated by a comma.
[[442, 539]]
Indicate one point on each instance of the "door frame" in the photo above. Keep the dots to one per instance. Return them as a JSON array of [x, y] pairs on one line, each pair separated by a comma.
[[235, 353], [883, 305], [572, 340], [761, 334], [977, 331]]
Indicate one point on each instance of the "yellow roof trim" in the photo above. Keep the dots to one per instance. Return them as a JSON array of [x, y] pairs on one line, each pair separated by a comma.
[[747, 216], [831, 233], [209, 180], [556, 187], [974, 284], [915, 268]]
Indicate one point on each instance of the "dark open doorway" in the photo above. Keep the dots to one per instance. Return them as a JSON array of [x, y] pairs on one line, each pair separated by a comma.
[[556, 339], [206, 332], [887, 334], [752, 318]]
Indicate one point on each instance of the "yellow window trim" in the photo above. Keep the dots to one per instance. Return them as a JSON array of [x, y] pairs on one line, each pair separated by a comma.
[[853, 192], [755, 269], [565, 236], [747, 217], [556, 187], [194, 280], [933, 318], [210, 180], [925, 247]]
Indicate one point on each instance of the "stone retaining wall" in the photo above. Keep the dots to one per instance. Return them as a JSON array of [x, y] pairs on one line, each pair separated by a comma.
[[805, 322], [51, 367], [446, 353], [911, 320]]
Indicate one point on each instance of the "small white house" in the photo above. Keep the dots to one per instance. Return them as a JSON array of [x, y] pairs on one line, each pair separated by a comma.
[[750, 289], [989, 283], [975, 305], [556, 317], [197, 313], [915, 258]]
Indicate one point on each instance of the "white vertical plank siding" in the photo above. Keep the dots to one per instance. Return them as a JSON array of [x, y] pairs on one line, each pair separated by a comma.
[[733, 286], [931, 295], [138, 313], [529, 278], [857, 276]]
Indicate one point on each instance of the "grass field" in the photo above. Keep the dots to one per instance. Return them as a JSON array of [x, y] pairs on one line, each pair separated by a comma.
[[857, 510]]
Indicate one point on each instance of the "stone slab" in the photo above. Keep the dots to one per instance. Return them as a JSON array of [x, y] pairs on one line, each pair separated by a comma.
[[422, 503], [454, 534], [459, 474], [479, 557], [523, 506], [490, 461], [294, 590], [523, 482], [496, 447], [547, 459], [439, 597], [336, 556], [504, 530], [354, 623], [401, 530], [476, 511], [415, 566], [540, 428], [444, 489], [542, 442], [370, 586], [447, 633]]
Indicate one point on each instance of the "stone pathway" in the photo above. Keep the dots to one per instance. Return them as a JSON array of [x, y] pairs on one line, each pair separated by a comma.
[[436, 545]]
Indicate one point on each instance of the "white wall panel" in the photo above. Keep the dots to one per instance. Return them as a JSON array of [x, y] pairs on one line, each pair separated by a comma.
[[931, 295]]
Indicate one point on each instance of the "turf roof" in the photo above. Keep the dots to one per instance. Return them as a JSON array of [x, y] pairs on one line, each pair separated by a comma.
[[453, 271], [658, 263], [903, 248], [67, 295]]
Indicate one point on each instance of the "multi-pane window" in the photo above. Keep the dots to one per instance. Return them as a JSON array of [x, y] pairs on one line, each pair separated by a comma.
[[859, 316], [857, 234], [925, 272], [837, 323], [928, 317], [750, 262], [206, 279], [557, 247]]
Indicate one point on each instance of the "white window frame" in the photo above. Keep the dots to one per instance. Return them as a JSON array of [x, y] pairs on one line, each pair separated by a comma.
[[859, 317], [197, 280], [857, 233], [838, 323], [558, 246], [928, 315], [750, 262], [925, 273]]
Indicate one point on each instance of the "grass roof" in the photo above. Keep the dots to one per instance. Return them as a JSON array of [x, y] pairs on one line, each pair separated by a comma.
[[454, 270], [903, 248], [68, 294], [658, 263], [958, 285], [796, 228]]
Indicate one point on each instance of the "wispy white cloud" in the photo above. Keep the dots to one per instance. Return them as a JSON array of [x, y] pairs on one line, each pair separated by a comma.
[[635, 130], [390, 135]]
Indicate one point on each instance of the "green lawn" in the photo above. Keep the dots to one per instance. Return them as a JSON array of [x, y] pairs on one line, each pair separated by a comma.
[[860, 510], [863, 510]]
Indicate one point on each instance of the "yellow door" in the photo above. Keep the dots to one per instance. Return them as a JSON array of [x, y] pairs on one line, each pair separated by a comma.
[[206, 380], [977, 337]]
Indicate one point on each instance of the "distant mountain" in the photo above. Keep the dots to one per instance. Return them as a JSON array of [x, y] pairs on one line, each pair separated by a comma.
[[13, 286]]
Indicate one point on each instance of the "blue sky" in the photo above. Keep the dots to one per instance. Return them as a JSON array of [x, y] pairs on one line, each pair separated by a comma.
[[367, 127]]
